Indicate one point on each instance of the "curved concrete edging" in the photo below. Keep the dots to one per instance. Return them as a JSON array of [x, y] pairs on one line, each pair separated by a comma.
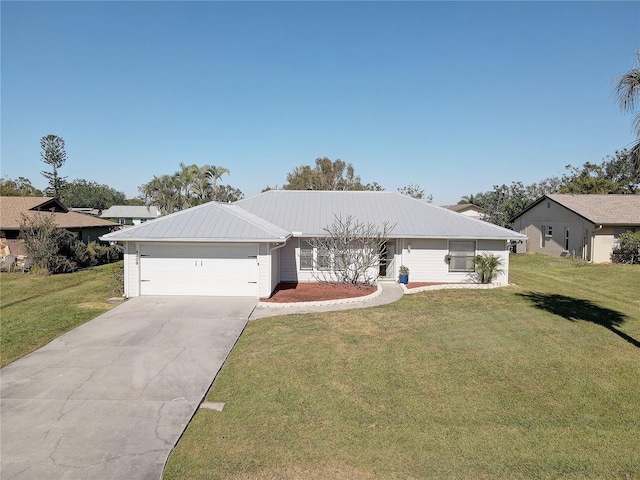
[[323, 303], [451, 286]]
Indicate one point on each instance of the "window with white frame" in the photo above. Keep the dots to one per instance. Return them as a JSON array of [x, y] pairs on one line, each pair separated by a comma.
[[306, 255], [324, 259], [462, 253]]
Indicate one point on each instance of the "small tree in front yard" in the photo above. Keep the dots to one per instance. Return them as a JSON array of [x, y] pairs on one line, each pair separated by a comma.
[[628, 250], [41, 237], [350, 252]]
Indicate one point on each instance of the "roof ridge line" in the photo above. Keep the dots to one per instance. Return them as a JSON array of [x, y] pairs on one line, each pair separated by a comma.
[[260, 227]]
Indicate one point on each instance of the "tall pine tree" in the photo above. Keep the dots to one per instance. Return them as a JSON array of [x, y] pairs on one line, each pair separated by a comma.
[[53, 154]]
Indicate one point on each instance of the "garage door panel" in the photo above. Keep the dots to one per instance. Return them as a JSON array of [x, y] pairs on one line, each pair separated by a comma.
[[199, 270]]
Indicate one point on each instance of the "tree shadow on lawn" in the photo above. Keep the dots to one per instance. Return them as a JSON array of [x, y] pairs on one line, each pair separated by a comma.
[[574, 309]]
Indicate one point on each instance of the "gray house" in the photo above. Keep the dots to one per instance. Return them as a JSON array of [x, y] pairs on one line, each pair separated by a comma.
[[582, 226], [247, 248], [131, 214]]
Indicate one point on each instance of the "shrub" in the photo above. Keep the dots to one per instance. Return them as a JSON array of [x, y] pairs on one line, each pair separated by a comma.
[[42, 239], [628, 250], [487, 266], [55, 250]]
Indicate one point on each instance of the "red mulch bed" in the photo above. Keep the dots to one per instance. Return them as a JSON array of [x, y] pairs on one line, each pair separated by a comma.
[[312, 292]]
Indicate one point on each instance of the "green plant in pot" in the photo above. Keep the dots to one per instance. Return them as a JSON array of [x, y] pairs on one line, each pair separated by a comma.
[[403, 275]]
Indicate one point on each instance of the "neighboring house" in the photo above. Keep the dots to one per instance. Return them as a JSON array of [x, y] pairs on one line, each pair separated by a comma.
[[581, 226], [248, 247], [131, 214], [86, 210], [468, 209], [85, 227]]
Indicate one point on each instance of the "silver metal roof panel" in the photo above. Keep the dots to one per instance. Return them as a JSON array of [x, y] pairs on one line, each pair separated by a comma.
[[211, 222], [310, 211]]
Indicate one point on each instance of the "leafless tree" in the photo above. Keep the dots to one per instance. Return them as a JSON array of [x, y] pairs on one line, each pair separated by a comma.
[[350, 252]]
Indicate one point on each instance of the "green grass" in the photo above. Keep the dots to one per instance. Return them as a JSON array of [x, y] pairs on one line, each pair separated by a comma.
[[37, 309], [538, 380]]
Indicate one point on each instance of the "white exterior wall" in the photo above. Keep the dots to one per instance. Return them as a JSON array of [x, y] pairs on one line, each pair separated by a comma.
[[275, 273], [264, 271], [131, 271], [426, 263], [289, 261], [290, 264], [426, 260], [499, 248]]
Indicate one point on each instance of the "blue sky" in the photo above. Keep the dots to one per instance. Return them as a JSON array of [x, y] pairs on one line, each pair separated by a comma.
[[453, 96]]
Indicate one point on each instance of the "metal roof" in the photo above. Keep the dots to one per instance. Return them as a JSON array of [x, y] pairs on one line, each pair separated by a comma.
[[130, 211], [210, 222], [598, 209], [307, 212]]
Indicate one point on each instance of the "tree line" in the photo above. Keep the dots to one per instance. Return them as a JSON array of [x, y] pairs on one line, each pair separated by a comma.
[[187, 187], [614, 175]]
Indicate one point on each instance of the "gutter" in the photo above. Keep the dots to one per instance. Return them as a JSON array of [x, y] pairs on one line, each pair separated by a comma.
[[195, 240]]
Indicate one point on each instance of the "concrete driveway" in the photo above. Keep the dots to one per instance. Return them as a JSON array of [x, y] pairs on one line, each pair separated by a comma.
[[110, 399]]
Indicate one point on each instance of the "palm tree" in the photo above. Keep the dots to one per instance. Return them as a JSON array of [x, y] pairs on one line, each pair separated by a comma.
[[215, 173], [487, 266], [202, 189], [628, 93], [187, 177], [163, 192]]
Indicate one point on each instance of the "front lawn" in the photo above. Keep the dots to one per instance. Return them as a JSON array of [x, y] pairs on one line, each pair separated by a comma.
[[37, 309], [540, 380]]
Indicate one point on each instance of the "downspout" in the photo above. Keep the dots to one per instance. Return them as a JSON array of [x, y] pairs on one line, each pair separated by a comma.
[[593, 240]]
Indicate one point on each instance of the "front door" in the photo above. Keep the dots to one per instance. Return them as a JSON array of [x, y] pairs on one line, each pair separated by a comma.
[[387, 256]]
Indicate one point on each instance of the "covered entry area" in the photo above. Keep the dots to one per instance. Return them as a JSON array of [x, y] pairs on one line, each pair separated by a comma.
[[202, 269]]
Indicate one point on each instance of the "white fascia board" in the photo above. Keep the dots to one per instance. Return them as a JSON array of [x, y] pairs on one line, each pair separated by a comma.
[[197, 240], [458, 237], [516, 236]]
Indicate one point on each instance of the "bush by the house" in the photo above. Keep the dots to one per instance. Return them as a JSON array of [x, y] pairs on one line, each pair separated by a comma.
[[487, 267], [628, 250], [56, 250]]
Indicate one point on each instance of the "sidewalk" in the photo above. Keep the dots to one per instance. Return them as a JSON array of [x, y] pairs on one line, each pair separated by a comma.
[[389, 292]]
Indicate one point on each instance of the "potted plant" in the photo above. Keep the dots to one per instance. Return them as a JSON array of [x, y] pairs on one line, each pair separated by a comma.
[[404, 274]]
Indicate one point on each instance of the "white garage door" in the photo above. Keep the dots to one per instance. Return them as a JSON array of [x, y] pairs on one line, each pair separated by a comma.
[[196, 269]]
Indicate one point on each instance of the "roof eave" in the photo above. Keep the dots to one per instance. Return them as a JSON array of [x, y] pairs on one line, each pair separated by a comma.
[[515, 236], [106, 238]]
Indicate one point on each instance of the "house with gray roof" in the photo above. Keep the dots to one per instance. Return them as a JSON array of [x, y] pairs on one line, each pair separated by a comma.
[[581, 226], [248, 247], [131, 214]]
